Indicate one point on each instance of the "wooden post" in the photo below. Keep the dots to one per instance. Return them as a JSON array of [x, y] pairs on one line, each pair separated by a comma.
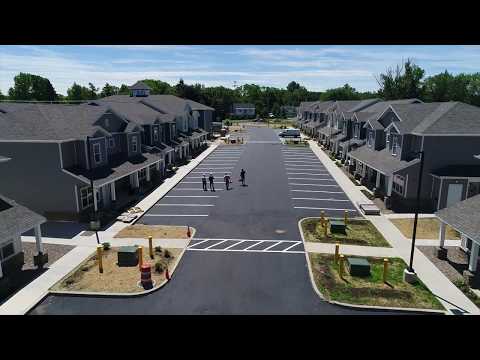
[[385, 270], [100, 258], [140, 257], [340, 269], [150, 246]]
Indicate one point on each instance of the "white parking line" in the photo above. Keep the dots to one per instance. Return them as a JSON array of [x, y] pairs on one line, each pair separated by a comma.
[[317, 174], [228, 247], [256, 243], [301, 161], [290, 247], [319, 199], [320, 191], [165, 215], [296, 184], [296, 169], [315, 179], [322, 208], [188, 189], [184, 205], [250, 251], [293, 165], [201, 242], [191, 196]]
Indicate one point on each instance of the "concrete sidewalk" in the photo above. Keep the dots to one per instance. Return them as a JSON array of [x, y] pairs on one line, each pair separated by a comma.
[[447, 293], [315, 247], [25, 299], [31, 294]]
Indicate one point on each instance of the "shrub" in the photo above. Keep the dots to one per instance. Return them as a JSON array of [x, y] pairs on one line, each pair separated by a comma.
[[159, 267], [167, 254], [106, 246], [158, 249]]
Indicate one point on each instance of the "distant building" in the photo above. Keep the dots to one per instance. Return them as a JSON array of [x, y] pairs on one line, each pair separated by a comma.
[[140, 89], [243, 109]]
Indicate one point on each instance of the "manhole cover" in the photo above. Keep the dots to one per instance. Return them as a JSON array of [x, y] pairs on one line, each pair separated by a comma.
[[280, 231]]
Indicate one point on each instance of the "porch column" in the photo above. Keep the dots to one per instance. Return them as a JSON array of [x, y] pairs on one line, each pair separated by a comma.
[[137, 181], [377, 182], [441, 234], [472, 263], [1, 271], [148, 173], [113, 193], [157, 166], [95, 204], [364, 170], [390, 185], [38, 239]]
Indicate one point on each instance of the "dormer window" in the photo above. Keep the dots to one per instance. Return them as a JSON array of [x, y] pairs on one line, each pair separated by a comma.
[[97, 153], [370, 138], [155, 134], [107, 122], [134, 144]]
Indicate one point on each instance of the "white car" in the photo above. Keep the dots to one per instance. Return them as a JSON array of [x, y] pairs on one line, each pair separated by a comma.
[[290, 132]]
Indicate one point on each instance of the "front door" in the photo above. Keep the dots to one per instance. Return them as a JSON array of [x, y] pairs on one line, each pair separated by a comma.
[[455, 192]]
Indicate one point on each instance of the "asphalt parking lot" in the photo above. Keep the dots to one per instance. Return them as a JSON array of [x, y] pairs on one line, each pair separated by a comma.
[[247, 256]]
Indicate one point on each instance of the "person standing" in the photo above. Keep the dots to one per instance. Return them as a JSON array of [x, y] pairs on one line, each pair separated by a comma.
[[226, 178], [210, 179], [242, 176], [204, 182]]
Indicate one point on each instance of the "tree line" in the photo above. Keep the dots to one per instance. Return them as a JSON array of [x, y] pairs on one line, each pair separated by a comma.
[[406, 80]]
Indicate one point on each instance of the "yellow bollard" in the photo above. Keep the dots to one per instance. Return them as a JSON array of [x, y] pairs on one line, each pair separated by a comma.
[[340, 266], [100, 258], [140, 257], [150, 246], [385, 270], [346, 217], [337, 252]]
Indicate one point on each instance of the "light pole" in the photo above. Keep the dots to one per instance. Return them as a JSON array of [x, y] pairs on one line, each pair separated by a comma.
[[95, 217], [409, 274]]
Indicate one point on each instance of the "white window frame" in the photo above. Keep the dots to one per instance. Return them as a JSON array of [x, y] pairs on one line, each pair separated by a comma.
[[396, 187], [134, 144], [111, 142], [142, 174], [155, 134], [99, 153], [107, 122], [370, 139], [394, 145], [4, 245], [88, 195]]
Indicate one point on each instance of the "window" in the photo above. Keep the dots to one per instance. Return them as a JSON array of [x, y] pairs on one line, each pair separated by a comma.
[[86, 197], [370, 138], [398, 184], [7, 250], [97, 153], [134, 144], [155, 134], [111, 142], [107, 123], [394, 145]]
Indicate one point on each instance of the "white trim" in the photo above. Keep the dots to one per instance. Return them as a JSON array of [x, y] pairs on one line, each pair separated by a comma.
[[60, 155], [86, 155], [440, 193], [99, 153], [76, 198]]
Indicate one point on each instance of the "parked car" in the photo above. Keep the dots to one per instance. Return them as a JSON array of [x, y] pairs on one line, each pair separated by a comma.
[[290, 132]]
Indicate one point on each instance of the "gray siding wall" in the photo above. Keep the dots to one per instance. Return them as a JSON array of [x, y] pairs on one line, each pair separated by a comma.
[[34, 178], [130, 144], [444, 194]]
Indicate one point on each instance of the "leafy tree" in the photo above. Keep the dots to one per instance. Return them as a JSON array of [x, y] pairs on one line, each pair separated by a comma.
[[109, 90], [124, 90], [2, 97], [92, 91], [75, 92], [346, 92], [158, 87], [32, 87], [405, 81], [292, 86]]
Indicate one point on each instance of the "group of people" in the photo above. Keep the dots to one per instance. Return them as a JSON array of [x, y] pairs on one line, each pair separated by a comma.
[[226, 179]]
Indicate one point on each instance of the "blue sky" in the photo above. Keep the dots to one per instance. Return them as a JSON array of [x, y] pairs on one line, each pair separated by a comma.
[[316, 67]]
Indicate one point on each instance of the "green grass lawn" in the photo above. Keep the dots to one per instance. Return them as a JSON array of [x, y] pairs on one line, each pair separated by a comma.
[[358, 232], [371, 290]]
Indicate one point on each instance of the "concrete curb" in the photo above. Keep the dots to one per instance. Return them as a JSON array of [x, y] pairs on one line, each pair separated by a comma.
[[355, 306], [114, 294]]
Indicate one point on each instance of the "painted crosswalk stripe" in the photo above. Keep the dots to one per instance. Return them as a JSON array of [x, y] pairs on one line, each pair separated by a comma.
[[201, 242], [291, 246], [221, 242], [189, 189], [271, 246], [317, 174], [319, 199], [303, 169], [237, 243], [301, 162], [314, 179]]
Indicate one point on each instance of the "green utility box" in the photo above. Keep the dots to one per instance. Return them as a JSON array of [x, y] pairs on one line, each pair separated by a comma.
[[337, 226], [358, 266], [127, 256]]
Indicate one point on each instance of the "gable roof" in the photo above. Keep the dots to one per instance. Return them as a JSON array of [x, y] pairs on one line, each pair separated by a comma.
[[140, 85], [464, 217], [6, 107], [51, 122], [15, 218], [439, 118]]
